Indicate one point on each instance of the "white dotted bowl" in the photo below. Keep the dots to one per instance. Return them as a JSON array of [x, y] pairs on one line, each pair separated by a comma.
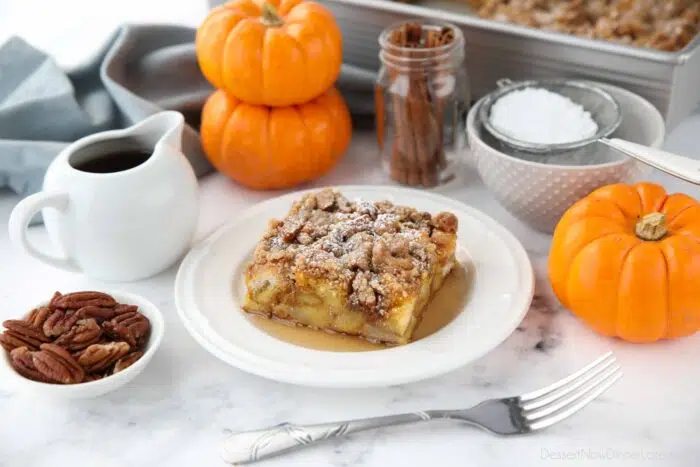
[[539, 194]]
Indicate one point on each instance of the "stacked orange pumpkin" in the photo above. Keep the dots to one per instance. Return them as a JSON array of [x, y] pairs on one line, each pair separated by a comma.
[[275, 120]]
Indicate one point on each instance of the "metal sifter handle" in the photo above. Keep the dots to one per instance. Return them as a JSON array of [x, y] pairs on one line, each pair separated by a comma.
[[684, 168]]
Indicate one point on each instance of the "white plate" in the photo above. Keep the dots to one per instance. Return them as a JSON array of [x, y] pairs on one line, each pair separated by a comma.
[[209, 290]]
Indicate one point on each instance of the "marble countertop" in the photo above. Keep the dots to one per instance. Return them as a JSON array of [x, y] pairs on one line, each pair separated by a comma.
[[186, 402]]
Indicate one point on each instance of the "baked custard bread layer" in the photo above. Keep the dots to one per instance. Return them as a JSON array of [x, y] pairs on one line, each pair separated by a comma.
[[354, 267]]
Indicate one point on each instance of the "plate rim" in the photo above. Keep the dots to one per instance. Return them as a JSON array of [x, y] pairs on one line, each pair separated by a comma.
[[515, 250]]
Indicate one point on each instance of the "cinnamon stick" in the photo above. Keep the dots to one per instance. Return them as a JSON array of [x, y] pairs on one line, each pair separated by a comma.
[[402, 149], [445, 37], [417, 153]]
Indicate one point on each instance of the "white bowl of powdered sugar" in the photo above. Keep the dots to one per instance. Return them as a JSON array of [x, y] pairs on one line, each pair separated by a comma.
[[546, 121], [535, 148]]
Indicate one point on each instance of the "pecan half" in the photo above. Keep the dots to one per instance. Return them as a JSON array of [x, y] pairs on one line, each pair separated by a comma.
[[76, 300], [56, 296], [126, 361], [99, 357], [37, 316], [10, 341], [20, 333], [59, 322], [98, 312], [22, 361], [133, 328], [85, 333], [57, 365], [122, 308]]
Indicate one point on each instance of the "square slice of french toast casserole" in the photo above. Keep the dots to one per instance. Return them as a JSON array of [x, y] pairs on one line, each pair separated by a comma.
[[355, 267]]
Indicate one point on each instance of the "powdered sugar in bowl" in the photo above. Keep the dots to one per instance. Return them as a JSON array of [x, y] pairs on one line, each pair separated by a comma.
[[552, 121], [542, 117]]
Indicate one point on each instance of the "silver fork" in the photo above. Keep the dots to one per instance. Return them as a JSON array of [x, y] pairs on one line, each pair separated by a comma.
[[507, 416]]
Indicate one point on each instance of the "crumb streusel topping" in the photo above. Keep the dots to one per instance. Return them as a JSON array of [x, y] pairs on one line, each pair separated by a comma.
[[667, 25], [377, 251]]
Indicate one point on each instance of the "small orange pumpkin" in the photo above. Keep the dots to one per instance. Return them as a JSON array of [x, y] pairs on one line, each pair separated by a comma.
[[626, 260], [275, 147], [278, 53]]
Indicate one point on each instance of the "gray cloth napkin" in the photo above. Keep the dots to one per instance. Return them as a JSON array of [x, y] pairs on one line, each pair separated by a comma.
[[141, 70]]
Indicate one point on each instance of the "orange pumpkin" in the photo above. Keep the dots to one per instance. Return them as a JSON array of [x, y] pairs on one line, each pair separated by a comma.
[[626, 260], [283, 52], [275, 147]]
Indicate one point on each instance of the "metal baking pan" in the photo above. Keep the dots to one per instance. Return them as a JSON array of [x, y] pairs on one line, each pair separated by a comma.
[[670, 81]]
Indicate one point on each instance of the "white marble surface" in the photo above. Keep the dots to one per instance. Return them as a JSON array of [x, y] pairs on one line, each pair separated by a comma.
[[186, 402]]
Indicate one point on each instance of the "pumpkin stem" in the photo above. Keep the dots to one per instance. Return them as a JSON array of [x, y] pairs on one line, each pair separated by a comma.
[[651, 227], [270, 17]]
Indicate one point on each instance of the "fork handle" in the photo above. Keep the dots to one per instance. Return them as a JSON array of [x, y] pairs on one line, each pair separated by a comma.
[[252, 446]]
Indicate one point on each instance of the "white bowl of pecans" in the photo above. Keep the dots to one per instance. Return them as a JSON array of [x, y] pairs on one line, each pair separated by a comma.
[[80, 344]]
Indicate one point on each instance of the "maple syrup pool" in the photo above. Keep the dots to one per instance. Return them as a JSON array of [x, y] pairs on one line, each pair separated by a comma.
[[449, 301]]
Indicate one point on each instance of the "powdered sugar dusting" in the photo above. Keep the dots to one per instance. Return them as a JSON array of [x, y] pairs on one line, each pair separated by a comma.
[[375, 251]]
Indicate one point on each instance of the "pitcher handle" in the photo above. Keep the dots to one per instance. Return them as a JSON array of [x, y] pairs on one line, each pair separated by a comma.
[[22, 215]]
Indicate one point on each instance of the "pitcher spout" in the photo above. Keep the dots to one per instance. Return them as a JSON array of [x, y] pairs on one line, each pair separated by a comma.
[[162, 128]]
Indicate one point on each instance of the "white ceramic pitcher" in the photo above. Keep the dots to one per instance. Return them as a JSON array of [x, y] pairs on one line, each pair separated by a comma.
[[122, 225]]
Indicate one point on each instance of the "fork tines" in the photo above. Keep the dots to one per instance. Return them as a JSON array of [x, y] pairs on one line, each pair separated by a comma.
[[567, 396]]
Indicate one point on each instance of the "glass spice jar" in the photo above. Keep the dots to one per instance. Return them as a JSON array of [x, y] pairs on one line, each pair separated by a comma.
[[421, 101]]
